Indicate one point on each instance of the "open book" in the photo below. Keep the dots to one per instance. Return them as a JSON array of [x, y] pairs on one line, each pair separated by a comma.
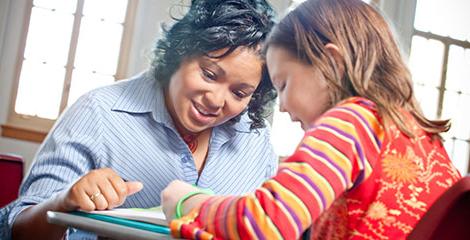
[[153, 215]]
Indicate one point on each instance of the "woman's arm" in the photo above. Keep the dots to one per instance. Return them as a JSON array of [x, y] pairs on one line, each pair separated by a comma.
[[336, 154], [61, 177], [111, 191], [31, 222]]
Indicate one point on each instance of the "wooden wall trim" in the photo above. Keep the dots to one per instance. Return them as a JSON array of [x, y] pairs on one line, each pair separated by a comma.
[[23, 133]]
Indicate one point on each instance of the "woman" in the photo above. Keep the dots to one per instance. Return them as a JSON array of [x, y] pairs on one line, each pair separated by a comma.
[[370, 164], [196, 116]]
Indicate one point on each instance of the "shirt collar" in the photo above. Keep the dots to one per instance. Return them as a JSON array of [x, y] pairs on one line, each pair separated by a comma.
[[144, 95]]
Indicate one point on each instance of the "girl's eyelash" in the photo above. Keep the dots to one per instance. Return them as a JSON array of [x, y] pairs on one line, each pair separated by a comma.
[[282, 86]]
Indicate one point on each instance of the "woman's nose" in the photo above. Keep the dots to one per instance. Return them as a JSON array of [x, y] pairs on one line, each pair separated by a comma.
[[215, 99]]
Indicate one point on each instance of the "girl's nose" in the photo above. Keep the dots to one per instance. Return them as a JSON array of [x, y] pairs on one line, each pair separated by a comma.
[[282, 107]]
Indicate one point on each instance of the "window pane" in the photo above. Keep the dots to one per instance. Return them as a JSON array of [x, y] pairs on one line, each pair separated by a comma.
[[98, 46], [428, 98], [444, 17], [109, 10], [449, 145], [458, 69], [449, 109], [461, 155], [67, 6], [454, 104], [83, 81], [458, 151], [49, 36], [286, 135], [40, 89], [426, 61]]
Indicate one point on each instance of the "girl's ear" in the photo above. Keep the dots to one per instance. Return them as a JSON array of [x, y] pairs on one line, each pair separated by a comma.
[[333, 50]]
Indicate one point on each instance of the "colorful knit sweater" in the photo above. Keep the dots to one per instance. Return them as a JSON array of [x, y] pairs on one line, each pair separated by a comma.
[[349, 178]]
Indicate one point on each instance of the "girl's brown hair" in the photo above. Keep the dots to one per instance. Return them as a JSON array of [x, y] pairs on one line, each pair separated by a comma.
[[373, 66]]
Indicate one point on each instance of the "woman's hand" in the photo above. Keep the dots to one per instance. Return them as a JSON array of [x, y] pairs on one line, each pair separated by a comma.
[[98, 190], [174, 192]]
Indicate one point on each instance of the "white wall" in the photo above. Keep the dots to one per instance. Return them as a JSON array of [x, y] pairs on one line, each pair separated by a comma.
[[10, 30], [400, 15], [150, 15]]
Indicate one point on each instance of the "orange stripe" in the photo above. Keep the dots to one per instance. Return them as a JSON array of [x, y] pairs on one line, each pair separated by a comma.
[[329, 150], [212, 210], [292, 200], [263, 221], [371, 121], [344, 182], [317, 178], [232, 219]]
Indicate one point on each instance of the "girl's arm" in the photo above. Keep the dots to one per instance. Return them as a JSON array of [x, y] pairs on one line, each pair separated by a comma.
[[336, 154]]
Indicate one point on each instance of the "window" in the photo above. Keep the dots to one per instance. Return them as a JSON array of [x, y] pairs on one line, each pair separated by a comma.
[[69, 47], [440, 65]]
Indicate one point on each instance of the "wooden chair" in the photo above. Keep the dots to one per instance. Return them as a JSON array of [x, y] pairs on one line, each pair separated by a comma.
[[448, 217], [11, 175]]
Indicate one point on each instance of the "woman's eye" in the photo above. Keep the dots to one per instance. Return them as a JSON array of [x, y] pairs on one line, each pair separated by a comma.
[[241, 94], [208, 74]]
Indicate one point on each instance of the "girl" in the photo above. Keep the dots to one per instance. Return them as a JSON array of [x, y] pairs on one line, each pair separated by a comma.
[[370, 164]]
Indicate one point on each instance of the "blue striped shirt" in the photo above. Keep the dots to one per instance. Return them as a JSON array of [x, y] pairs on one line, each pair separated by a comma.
[[126, 126]]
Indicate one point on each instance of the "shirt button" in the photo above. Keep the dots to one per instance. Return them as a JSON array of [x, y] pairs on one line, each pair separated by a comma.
[[184, 159]]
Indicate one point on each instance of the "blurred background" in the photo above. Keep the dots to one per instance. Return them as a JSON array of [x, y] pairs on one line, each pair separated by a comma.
[[53, 51]]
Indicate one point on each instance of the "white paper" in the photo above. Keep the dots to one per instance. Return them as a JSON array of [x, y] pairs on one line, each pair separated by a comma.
[[153, 215]]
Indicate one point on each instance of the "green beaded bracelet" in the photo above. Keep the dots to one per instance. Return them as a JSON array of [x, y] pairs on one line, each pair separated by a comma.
[[179, 204]]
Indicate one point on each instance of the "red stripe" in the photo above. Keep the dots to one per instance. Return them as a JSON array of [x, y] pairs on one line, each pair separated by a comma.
[[366, 142], [278, 217], [335, 180], [241, 226], [302, 192], [335, 142], [219, 218], [342, 146], [204, 211], [187, 229]]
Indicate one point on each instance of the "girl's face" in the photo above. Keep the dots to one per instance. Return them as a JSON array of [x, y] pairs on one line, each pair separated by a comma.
[[206, 92], [302, 89]]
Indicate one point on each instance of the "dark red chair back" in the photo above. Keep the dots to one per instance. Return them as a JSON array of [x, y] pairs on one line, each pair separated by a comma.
[[448, 217], [11, 175]]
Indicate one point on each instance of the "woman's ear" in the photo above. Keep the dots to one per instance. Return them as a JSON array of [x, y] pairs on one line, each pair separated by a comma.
[[333, 50]]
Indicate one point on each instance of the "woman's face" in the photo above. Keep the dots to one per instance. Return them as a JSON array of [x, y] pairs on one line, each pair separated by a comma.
[[302, 89], [206, 92]]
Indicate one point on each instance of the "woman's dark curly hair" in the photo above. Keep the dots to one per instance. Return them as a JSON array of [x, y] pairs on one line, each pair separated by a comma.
[[211, 25]]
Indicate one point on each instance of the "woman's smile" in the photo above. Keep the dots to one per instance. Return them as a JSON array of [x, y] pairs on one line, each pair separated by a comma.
[[201, 115]]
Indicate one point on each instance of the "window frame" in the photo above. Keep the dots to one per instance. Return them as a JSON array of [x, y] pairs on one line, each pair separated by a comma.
[[447, 42], [33, 128]]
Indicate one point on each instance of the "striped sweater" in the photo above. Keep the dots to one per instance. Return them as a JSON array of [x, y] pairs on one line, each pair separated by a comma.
[[349, 178]]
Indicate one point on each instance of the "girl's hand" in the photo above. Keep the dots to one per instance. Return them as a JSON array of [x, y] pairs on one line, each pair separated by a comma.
[[98, 190], [174, 192]]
